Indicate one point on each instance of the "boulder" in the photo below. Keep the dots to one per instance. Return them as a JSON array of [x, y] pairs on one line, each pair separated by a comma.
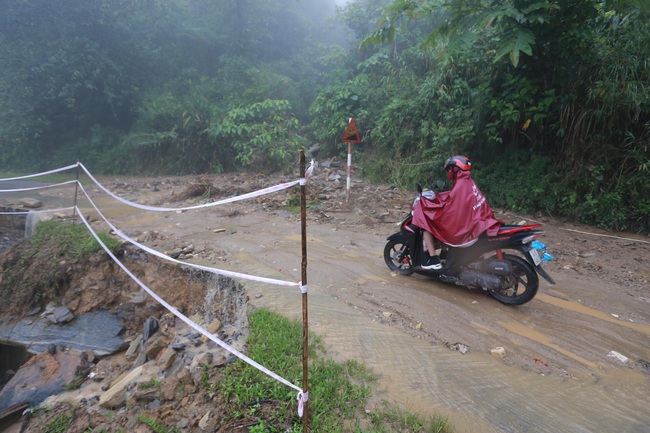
[[98, 331], [30, 203], [43, 375]]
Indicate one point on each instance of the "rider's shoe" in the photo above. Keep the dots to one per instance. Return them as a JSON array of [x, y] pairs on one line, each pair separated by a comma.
[[432, 262]]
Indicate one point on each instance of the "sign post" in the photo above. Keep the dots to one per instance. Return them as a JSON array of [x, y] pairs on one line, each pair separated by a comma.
[[350, 136]]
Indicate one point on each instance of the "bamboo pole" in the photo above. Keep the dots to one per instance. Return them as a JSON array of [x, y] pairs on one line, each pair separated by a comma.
[[305, 321]]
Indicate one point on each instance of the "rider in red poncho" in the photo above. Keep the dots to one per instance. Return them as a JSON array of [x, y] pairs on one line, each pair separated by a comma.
[[456, 217]]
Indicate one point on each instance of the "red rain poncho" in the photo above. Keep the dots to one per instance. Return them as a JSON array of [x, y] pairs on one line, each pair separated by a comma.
[[457, 216]]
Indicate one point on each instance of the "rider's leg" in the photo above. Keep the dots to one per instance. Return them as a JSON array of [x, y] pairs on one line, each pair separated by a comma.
[[430, 241], [433, 261]]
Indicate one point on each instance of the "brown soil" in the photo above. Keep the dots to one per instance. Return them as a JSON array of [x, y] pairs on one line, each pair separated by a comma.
[[600, 274]]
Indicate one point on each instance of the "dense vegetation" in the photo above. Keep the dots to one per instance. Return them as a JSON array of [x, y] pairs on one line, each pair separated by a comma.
[[551, 99]]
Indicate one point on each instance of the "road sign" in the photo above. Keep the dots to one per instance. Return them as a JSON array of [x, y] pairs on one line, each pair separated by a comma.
[[351, 134]]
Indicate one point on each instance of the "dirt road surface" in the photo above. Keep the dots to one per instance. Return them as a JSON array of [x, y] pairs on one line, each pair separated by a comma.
[[576, 358]]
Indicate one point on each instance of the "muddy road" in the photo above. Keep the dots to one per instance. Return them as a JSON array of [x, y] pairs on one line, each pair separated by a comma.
[[576, 358]]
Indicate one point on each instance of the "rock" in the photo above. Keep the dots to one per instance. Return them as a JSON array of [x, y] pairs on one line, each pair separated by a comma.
[[313, 150], [178, 346], [134, 348], [203, 423], [43, 375], [462, 348], [140, 360], [154, 346], [618, 356], [212, 328], [168, 387], [98, 331], [60, 315], [196, 318], [30, 203], [185, 376], [115, 397], [201, 359], [166, 358], [150, 327], [196, 366], [139, 298], [499, 352], [89, 356], [220, 360], [387, 314]]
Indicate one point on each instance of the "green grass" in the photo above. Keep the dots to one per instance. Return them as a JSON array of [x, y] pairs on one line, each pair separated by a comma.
[[35, 273], [339, 393], [155, 425], [75, 241], [292, 204], [59, 424], [151, 383]]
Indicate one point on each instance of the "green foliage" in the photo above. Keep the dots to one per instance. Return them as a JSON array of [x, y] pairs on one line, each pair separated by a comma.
[[59, 424], [338, 394], [568, 117], [507, 24], [181, 87], [120, 85], [156, 426], [263, 134], [524, 183], [171, 135]]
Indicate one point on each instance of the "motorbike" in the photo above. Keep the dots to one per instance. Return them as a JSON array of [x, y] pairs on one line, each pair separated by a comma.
[[506, 265]]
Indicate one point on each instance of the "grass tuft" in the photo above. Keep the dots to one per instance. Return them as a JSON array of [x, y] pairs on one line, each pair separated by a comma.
[[339, 393]]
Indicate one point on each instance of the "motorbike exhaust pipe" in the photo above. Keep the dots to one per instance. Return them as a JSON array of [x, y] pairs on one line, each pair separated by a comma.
[[481, 280], [494, 267]]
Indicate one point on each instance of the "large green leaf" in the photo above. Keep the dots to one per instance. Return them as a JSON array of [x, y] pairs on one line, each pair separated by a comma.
[[516, 41]]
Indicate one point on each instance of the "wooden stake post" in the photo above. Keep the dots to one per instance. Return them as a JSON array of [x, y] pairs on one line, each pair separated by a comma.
[[305, 311]]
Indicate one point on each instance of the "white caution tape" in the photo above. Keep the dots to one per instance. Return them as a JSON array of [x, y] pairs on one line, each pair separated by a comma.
[[41, 174], [39, 187], [260, 192], [302, 395], [203, 268]]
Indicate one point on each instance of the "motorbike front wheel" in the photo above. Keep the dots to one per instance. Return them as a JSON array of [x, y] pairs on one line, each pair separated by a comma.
[[520, 286], [397, 256]]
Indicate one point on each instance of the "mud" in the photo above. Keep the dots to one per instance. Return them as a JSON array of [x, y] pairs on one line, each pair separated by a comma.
[[560, 371]]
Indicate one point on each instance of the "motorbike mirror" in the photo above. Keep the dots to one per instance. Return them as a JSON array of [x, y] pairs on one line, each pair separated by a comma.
[[419, 188], [440, 184]]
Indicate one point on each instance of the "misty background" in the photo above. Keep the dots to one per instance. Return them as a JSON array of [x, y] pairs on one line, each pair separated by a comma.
[[551, 100]]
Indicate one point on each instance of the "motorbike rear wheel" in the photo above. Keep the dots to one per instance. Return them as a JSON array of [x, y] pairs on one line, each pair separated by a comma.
[[522, 283], [397, 256]]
